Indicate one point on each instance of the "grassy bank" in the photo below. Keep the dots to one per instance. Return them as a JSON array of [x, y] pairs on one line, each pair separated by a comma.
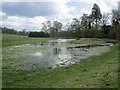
[[11, 40]]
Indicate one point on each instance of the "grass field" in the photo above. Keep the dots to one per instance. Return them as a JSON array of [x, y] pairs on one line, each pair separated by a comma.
[[94, 72], [12, 40]]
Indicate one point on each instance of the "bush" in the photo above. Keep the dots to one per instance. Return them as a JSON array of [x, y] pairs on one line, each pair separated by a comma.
[[38, 34]]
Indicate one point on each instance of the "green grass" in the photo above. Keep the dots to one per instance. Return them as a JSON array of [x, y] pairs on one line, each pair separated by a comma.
[[12, 40], [95, 72]]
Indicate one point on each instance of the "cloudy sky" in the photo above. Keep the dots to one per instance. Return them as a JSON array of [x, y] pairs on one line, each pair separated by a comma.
[[29, 15]]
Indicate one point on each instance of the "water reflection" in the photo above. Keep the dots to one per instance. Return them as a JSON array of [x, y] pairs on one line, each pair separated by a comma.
[[31, 56], [64, 56]]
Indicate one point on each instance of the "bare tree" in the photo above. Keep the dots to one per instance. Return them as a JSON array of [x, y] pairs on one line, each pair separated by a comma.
[[46, 26], [105, 18]]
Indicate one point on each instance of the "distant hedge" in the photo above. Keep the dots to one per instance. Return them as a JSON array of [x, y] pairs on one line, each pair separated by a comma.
[[38, 34], [13, 31]]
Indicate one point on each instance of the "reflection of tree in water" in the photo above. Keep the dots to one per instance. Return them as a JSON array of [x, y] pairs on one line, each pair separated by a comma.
[[56, 51]]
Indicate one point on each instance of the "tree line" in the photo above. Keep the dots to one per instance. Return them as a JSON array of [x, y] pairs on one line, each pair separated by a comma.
[[94, 25], [24, 32], [13, 31]]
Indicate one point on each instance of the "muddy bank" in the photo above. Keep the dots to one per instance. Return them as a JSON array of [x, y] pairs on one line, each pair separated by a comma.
[[93, 45]]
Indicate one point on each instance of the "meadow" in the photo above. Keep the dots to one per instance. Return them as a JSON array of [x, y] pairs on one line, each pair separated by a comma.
[[99, 71], [12, 40]]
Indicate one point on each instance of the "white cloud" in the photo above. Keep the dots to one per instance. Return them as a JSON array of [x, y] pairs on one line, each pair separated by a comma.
[[2, 14], [105, 5], [35, 0], [84, 6], [24, 22], [62, 12]]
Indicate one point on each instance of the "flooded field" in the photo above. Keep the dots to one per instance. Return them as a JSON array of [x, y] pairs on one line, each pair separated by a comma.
[[52, 54]]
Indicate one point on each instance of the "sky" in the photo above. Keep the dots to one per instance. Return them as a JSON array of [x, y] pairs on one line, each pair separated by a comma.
[[29, 14]]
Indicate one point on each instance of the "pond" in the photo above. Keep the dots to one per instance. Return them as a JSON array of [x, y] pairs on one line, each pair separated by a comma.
[[51, 54]]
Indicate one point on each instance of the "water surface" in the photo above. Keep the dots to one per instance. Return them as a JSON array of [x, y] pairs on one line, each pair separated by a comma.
[[54, 53]]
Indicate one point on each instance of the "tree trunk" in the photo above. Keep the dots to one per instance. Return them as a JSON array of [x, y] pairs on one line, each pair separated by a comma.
[[96, 23]]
